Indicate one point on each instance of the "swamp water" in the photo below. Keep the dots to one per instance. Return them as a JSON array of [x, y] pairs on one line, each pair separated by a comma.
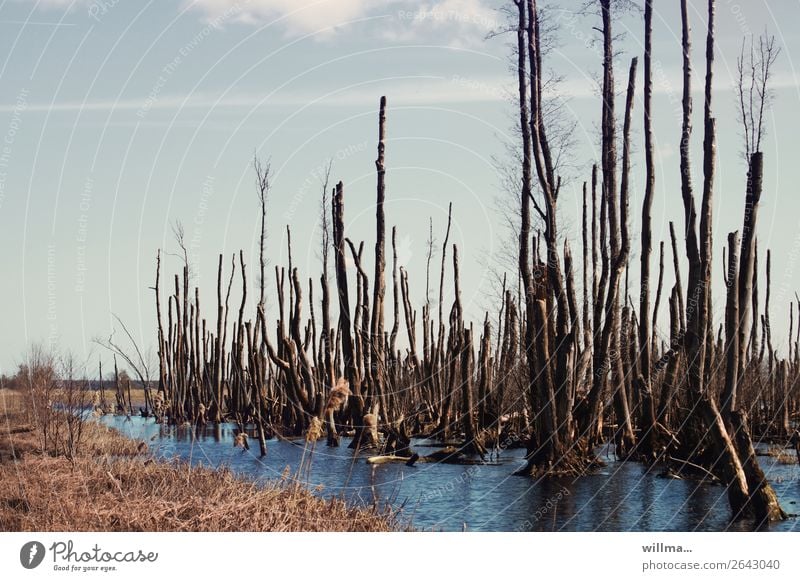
[[622, 496]]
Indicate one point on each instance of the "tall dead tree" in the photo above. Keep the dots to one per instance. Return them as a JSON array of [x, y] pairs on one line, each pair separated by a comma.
[[645, 341], [329, 373], [728, 397], [473, 442], [743, 491], [525, 211], [377, 341], [607, 357], [351, 372], [551, 448], [753, 91], [698, 284]]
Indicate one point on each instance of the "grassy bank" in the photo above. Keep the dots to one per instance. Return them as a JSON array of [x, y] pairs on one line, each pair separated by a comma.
[[113, 484]]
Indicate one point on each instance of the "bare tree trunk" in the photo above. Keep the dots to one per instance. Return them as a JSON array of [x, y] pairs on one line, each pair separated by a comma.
[[627, 436], [525, 200], [348, 354], [378, 350], [731, 329], [473, 443], [645, 342], [588, 293], [763, 500], [162, 364], [486, 379], [676, 267], [709, 160], [658, 297], [753, 349], [699, 254], [218, 349], [747, 269]]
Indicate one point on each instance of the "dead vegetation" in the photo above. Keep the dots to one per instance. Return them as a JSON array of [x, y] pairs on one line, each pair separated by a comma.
[[560, 376], [112, 484], [545, 370], [783, 456], [141, 495]]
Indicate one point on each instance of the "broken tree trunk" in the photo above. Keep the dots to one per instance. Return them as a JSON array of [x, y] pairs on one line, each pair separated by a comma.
[[747, 255], [377, 343], [763, 500], [728, 397], [348, 354], [645, 342]]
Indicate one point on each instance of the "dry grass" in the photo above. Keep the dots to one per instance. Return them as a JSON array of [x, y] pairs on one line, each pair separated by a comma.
[[114, 485], [142, 495], [782, 456], [137, 396]]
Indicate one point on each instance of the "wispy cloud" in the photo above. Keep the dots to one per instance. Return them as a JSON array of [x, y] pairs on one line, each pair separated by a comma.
[[449, 21], [404, 91], [446, 22]]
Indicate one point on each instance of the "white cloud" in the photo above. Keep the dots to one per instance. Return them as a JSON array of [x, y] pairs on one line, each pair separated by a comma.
[[448, 21], [296, 16]]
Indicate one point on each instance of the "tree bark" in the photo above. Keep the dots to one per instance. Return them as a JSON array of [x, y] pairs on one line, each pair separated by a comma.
[[356, 401], [378, 349], [763, 500], [645, 342]]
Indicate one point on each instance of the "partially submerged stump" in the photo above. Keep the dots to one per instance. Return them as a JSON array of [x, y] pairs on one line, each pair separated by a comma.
[[369, 432], [576, 461], [763, 501]]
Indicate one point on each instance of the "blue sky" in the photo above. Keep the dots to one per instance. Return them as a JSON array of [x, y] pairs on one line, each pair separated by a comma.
[[120, 117]]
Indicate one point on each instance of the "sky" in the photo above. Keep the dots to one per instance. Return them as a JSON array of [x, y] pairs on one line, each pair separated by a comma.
[[120, 118]]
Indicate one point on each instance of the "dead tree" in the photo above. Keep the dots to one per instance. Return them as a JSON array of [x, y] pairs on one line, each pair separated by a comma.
[[551, 448], [546, 436], [607, 351], [348, 353], [645, 342], [377, 346], [754, 97], [741, 484], [728, 398], [325, 336], [473, 442]]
